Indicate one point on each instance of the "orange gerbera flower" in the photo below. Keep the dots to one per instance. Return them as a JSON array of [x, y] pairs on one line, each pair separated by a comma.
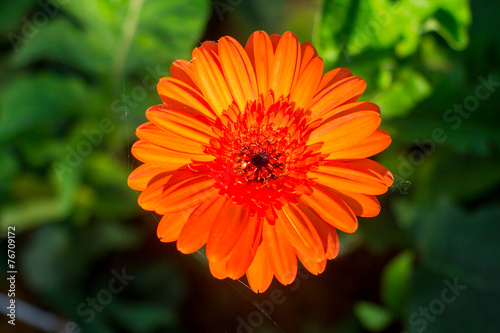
[[259, 155]]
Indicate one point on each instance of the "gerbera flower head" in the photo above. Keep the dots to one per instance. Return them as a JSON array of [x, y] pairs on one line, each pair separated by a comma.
[[258, 155]]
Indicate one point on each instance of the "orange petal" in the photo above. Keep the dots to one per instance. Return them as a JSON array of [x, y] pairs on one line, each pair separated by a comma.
[[177, 94], [152, 194], [331, 209], [350, 108], [210, 45], [306, 85], [153, 134], [311, 264], [260, 51], [326, 231], [349, 177], [180, 122], [195, 233], [210, 80], [300, 232], [363, 205], [226, 230], [238, 71], [376, 168], [369, 146], [286, 65], [332, 77], [244, 251], [344, 131], [182, 70], [185, 194], [275, 39], [142, 175], [260, 274], [280, 253], [160, 157], [218, 269], [308, 54], [171, 225], [343, 91]]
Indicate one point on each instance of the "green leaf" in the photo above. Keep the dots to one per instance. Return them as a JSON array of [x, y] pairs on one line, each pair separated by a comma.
[[453, 18], [461, 249], [167, 30], [477, 175], [119, 37], [435, 307], [61, 41], [333, 31], [350, 28], [44, 260], [395, 280], [10, 12], [436, 173], [372, 316], [40, 210], [41, 101], [9, 165], [407, 89]]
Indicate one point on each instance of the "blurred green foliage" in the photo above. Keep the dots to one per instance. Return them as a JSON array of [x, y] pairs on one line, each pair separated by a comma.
[[76, 80], [77, 77], [435, 78]]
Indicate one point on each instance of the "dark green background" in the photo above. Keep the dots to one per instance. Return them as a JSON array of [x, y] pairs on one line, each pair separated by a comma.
[[71, 69]]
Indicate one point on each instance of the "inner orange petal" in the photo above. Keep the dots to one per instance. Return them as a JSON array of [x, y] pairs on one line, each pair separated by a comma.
[[286, 65], [300, 232], [349, 177], [260, 274], [210, 80], [343, 91], [182, 70], [326, 231], [226, 230], [244, 251], [308, 53], [181, 123], [307, 83], [238, 71], [369, 146], [260, 51], [331, 209], [195, 232], [332, 77], [142, 175], [186, 194], [158, 156], [171, 225], [345, 131], [176, 93], [153, 134], [280, 253]]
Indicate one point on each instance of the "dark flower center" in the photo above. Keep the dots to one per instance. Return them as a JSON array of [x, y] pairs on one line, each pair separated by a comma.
[[260, 160]]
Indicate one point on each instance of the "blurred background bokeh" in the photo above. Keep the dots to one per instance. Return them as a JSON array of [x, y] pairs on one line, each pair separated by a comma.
[[75, 80]]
